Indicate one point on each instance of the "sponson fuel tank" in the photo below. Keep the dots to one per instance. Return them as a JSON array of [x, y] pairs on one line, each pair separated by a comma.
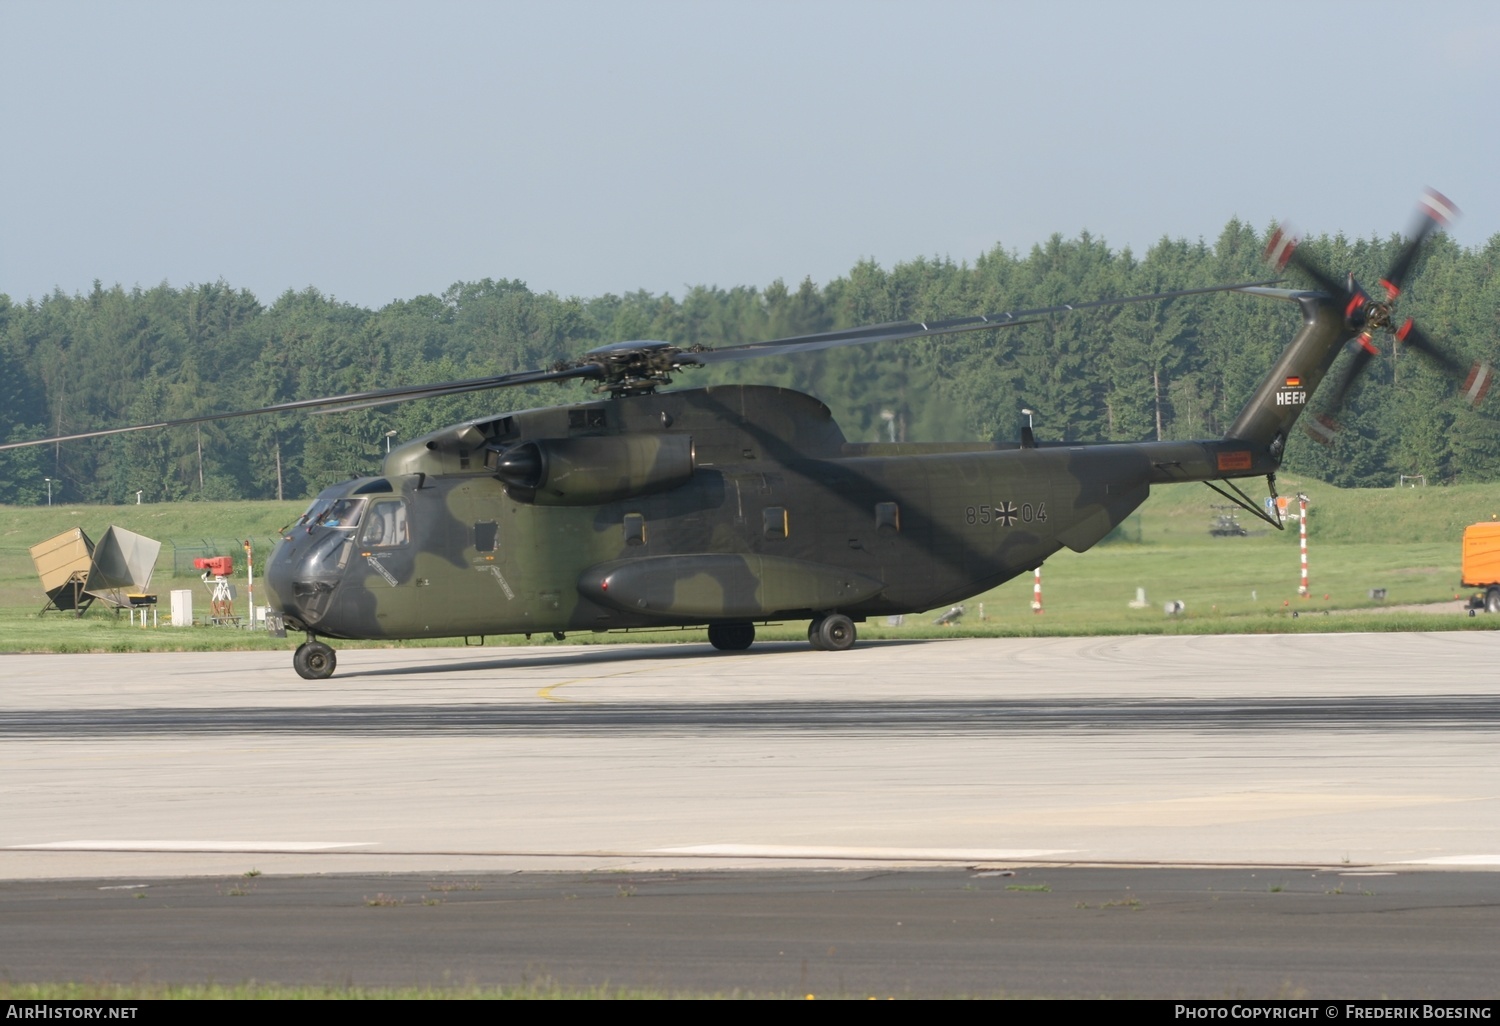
[[723, 585]]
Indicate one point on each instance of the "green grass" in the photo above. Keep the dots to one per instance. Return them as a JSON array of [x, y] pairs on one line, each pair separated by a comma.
[[1403, 540]]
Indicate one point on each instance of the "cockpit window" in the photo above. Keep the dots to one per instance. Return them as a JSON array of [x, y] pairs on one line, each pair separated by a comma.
[[386, 525], [343, 513]]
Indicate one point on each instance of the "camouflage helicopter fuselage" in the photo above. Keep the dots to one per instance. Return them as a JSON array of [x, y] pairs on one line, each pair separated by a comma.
[[728, 505]]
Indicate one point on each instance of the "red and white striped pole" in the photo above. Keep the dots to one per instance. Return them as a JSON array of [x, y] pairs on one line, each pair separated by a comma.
[[1036, 592], [1302, 532]]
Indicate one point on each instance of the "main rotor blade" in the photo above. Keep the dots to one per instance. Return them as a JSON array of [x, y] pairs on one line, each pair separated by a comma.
[[1434, 212], [463, 387], [599, 369], [352, 400], [928, 329]]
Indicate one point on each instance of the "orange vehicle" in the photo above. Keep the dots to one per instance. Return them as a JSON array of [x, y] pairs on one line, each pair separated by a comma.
[[1481, 566]]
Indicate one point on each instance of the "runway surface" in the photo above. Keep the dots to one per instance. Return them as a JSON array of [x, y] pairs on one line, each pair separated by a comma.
[[1044, 932], [900, 819], [1309, 750]]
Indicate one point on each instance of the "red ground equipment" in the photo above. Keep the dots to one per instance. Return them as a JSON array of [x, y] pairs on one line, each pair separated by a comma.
[[217, 566], [216, 571]]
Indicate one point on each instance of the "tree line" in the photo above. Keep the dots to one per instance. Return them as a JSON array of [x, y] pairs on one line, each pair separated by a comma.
[[1170, 369]]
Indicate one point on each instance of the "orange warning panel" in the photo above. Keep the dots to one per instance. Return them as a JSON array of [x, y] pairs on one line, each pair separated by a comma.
[[1481, 566]]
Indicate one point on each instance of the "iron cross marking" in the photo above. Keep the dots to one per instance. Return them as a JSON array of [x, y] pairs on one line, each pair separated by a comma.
[[1007, 513]]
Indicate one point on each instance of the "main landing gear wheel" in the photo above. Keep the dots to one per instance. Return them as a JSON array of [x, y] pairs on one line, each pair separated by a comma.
[[1492, 601], [314, 660], [731, 637], [832, 633]]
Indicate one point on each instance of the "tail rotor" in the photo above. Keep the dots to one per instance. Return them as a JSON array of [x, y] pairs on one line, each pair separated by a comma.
[[1368, 316]]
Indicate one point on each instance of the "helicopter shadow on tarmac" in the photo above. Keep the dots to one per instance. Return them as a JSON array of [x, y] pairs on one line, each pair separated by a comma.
[[614, 654]]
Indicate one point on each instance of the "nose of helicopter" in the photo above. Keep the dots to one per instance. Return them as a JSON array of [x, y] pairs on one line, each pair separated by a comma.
[[278, 580], [290, 593]]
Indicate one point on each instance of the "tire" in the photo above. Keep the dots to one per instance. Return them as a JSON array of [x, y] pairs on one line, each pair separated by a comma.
[[813, 637], [836, 633], [1492, 601], [314, 660], [731, 637]]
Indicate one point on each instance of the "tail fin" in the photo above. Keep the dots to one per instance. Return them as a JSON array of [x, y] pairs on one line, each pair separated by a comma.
[[1266, 421]]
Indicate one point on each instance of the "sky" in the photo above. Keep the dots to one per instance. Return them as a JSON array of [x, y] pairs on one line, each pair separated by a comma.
[[380, 150]]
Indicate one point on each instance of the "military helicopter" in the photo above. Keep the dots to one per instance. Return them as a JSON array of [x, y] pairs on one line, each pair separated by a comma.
[[735, 505]]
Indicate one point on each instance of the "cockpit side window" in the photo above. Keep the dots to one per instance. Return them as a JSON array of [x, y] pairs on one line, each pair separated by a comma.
[[385, 525]]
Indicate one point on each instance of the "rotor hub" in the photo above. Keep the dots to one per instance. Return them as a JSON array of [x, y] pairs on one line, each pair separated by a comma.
[[633, 368]]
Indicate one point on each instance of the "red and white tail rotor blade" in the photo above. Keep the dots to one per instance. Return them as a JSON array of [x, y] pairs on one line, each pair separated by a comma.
[[1279, 247], [1364, 352], [1481, 375], [1411, 335], [1282, 249], [1434, 211], [1439, 208], [1477, 385], [1322, 429]]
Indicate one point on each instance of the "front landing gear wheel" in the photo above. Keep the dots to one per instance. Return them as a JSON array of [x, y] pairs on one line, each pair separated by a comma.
[[832, 633], [731, 637], [314, 660]]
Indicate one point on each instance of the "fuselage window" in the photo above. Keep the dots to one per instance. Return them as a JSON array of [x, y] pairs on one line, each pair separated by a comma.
[[585, 419], [385, 525], [486, 534], [635, 529], [775, 521], [887, 517]]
